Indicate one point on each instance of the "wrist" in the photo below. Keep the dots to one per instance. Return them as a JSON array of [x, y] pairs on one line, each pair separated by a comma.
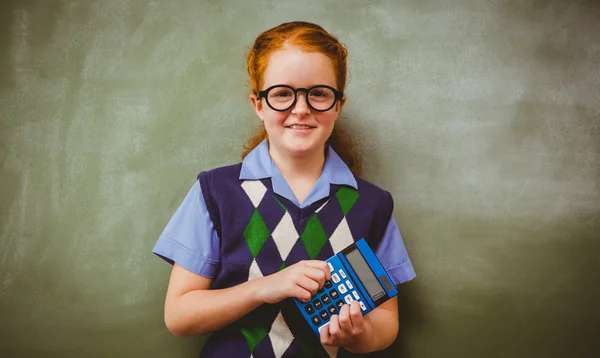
[[257, 290]]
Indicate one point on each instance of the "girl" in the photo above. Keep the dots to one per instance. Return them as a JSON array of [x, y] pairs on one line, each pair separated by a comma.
[[249, 237]]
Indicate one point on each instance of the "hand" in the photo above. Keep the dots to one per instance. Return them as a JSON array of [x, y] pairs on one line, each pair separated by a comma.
[[346, 329], [301, 280]]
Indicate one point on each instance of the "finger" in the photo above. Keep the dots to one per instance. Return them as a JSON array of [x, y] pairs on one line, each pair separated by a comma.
[[316, 275], [308, 285], [302, 294], [345, 323], [321, 265], [325, 336], [318, 269], [335, 331], [334, 325], [356, 318]]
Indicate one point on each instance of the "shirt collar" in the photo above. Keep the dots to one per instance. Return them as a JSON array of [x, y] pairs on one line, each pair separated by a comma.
[[259, 165]]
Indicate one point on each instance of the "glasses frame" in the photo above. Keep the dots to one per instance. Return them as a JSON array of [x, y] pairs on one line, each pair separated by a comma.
[[265, 94]]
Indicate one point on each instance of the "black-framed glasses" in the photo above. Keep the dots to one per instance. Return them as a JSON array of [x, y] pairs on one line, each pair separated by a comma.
[[320, 98]]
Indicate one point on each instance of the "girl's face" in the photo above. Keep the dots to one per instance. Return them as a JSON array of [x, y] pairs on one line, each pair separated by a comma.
[[300, 130]]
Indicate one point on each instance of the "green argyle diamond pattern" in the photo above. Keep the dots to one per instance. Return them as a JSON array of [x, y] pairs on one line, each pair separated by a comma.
[[313, 237], [256, 233], [254, 336], [346, 197]]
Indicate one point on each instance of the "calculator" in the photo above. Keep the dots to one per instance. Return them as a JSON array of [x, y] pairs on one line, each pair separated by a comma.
[[356, 275]]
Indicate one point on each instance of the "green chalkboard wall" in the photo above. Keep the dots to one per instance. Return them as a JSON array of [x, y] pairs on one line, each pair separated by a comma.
[[482, 118]]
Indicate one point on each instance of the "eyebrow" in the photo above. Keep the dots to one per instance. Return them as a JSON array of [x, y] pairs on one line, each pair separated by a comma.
[[291, 85]]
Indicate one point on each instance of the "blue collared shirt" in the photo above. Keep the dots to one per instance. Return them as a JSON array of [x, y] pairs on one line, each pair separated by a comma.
[[190, 238]]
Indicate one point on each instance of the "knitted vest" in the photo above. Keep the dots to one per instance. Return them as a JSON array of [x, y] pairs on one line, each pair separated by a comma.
[[262, 233]]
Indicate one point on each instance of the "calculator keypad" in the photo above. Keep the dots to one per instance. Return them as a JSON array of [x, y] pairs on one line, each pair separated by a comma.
[[331, 297]]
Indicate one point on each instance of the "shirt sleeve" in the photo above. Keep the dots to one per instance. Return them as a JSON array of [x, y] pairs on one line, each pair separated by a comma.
[[190, 239], [393, 256]]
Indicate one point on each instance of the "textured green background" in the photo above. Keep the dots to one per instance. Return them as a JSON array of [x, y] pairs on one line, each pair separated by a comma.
[[481, 117]]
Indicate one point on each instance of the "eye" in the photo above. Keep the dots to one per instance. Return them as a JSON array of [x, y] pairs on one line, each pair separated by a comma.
[[282, 93], [321, 94]]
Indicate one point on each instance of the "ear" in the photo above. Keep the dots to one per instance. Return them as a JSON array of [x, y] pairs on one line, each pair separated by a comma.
[[340, 104], [257, 105]]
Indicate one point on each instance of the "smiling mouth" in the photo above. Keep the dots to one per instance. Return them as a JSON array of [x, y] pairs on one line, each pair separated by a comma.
[[300, 126]]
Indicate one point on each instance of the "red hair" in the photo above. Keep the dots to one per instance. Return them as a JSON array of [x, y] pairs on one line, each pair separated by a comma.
[[312, 38]]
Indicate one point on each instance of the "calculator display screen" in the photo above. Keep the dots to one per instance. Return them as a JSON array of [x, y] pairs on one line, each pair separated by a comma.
[[365, 274]]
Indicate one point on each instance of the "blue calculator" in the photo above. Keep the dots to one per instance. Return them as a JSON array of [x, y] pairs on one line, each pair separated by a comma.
[[356, 275]]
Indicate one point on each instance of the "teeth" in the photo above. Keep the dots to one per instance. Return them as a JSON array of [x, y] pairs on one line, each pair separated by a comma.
[[299, 126]]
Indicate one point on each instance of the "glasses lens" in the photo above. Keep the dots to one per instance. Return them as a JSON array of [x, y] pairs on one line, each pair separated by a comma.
[[280, 98], [321, 98]]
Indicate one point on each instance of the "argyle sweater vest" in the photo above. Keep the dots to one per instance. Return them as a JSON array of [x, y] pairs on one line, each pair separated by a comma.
[[262, 233]]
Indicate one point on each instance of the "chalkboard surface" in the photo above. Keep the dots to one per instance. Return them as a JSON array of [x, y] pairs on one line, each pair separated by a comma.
[[482, 118]]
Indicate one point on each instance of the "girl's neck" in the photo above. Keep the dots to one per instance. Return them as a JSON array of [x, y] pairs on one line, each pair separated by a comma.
[[300, 173], [307, 166]]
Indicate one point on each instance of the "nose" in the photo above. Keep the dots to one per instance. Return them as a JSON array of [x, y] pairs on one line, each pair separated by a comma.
[[301, 106]]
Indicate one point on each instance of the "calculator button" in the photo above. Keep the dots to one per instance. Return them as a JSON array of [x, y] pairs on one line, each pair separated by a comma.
[[328, 284], [355, 294], [335, 278], [309, 309], [362, 306], [318, 304], [330, 266], [325, 299], [315, 320], [342, 288], [348, 299], [324, 315], [334, 294], [332, 310], [320, 290], [342, 273], [339, 304], [349, 284]]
